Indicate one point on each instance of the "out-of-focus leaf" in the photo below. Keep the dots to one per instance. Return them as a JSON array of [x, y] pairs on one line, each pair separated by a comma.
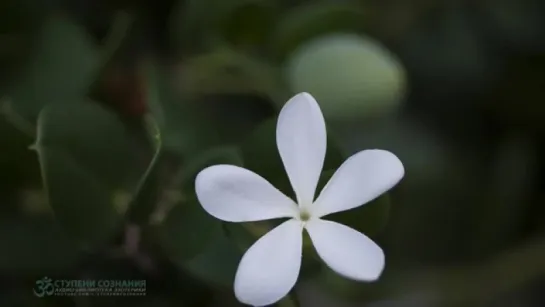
[[433, 169], [18, 23], [187, 231], [62, 70], [226, 71], [86, 161], [34, 245], [190, 126], [175, 118], [517, 25], [314, 19], [501, 220], [517, 99], [421, 150], [349, 290], [448, 52], [261, 156], [289, 301], [244, 235], [205, 23], [193, 21], [18, 165], [218, 264], [250, 22], [168, 287], [219, 155]]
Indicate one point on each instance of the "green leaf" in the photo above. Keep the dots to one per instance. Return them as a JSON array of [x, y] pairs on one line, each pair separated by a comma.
[[314, 19], [218, 155], [289, 301], [34, 245], [87, 164], [179, 122], [18, 165], [349, 290], [249, 22], [193, 20], [218, 264], [226, 71], [191, 126], [261, 155], [187, 231], [204, 23], [62, 70], [369, 219], [244, 235]]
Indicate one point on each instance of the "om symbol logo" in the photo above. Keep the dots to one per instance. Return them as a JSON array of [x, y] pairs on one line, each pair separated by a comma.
[[44, 287]]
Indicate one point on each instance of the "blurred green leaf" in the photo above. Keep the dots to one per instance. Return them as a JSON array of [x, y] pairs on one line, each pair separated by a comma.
[[187, 231], [62, 70], [250, 22], [517, 99], [177, 120], [218, 155], [517, 25], [289, 301], [261, 156], [193, 20], [244, 235], [18, 165], [218, 264], [206, 23], [225, 71], [34, 245], [19, 22], [190, 126], [315, 19], [86, 163], [448, 51], [369, 219], [349, 290]]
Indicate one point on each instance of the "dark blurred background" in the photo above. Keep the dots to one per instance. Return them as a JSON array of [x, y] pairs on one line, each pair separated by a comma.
[[456, 89]]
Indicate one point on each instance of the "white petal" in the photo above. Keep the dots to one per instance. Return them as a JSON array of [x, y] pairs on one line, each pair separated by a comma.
[[270, 267], [345, 250], [235, 194], [360, 179], [301, 139]]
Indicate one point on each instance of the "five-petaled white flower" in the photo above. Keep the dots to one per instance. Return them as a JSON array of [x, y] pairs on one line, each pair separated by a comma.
[[270, 267]]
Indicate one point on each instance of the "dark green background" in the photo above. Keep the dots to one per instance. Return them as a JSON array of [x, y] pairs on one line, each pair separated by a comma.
[[110, 109]]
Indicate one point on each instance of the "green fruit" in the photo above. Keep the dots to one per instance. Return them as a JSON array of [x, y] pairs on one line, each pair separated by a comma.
[[349, 75]]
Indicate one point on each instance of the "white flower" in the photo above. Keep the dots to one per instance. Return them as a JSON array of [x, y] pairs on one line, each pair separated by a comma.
[[270, 267]]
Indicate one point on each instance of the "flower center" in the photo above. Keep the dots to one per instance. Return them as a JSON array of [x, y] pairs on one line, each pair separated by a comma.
[[304, 215]]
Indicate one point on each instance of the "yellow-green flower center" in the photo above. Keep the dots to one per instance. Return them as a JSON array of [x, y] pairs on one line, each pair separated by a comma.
[[304, 215]]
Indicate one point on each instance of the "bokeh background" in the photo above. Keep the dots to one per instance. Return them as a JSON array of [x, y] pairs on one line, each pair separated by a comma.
[[110, 108]]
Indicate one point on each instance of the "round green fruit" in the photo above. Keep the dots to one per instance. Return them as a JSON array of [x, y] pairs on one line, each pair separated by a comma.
[[349, 75]]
